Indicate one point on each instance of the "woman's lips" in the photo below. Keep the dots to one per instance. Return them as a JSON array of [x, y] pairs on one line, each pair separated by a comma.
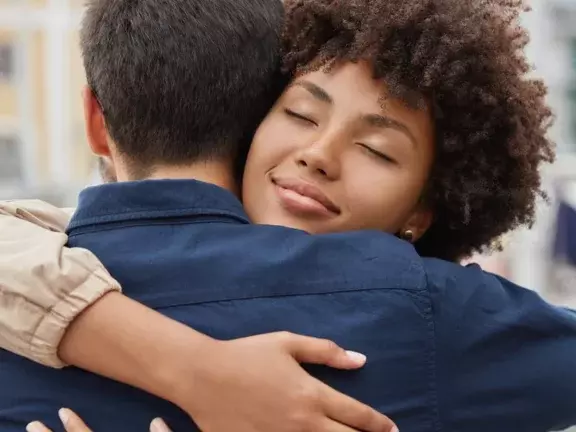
[[302, 198]]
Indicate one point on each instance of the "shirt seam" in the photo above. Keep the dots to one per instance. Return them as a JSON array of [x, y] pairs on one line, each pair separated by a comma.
[[79, 231], [417, 292], [337, 285], [438, 427]]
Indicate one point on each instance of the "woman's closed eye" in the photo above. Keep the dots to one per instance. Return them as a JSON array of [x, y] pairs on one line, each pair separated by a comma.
[[377, 153], [300, 117]]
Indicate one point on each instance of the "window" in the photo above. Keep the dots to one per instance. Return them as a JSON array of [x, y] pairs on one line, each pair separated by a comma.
[[10, 159], [6, 62]]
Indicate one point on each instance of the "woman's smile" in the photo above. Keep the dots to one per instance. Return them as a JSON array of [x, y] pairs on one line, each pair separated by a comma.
[[304, 198]]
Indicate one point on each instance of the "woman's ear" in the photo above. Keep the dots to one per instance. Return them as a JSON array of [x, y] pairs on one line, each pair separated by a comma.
[[417, 224]]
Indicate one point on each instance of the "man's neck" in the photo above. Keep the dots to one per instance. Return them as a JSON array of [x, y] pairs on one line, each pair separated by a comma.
[[218, 173]]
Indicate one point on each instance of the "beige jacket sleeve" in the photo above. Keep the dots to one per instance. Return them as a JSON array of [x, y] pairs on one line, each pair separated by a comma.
[[43, 284]]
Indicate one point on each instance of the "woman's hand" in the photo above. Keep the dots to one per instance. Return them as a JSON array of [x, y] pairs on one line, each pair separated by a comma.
[[255, 384], [73, 423]]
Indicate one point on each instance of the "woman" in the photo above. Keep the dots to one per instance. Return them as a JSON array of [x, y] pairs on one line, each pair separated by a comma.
[[408, 117], [454, 155]]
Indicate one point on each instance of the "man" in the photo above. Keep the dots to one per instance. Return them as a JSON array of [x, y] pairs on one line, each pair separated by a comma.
[[433, 372], [186, 71]]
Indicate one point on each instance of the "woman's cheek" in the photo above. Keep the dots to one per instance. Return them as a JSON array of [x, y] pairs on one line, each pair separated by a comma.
[[273, 142]]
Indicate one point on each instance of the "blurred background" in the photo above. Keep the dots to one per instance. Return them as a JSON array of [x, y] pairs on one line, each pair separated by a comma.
[[43, 153]]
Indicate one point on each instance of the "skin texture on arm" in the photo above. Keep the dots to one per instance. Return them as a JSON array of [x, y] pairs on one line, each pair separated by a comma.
[[254, 384]]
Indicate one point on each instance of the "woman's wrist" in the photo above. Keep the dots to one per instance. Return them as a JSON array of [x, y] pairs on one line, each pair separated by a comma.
[[178, 363]]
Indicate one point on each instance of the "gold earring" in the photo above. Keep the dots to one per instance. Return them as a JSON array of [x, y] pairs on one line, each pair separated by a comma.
[[408, 235]]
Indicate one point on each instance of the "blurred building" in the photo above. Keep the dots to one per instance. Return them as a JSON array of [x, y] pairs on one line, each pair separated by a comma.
[[552, 26], [42, 144], [528, 257]]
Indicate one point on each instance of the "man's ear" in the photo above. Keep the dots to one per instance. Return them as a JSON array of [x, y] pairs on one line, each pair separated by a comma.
[[95, 124]]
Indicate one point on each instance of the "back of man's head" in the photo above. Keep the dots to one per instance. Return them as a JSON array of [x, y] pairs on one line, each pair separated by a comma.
[[181, 81]]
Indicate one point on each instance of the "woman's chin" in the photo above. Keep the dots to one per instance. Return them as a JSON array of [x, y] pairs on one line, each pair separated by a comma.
[[288, 221]]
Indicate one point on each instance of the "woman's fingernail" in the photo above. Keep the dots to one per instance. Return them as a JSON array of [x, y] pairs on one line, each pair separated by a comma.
[[356, 356], [64, 415], [394, 429], [34, 427], [158, 425]]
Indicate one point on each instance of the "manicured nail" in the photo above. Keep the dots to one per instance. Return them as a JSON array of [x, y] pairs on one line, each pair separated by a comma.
[[356, 356], [64, 415], [158, 425], [34, 427], [394, 429]]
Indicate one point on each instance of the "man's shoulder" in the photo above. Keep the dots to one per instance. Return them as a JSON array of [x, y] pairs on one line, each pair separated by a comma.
[[478, 305], [363, 259], [486, 328], [465, 286], [467, 282], [370, 244], [254, 260]]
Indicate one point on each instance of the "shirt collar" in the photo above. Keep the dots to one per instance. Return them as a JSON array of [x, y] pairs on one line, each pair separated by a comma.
[[155, 199]]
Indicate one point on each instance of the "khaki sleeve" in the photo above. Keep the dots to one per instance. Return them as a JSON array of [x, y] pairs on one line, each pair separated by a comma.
[[44, 285]]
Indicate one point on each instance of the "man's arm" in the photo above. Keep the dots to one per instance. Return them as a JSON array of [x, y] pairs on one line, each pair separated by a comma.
[[253, 384], [505, 356]]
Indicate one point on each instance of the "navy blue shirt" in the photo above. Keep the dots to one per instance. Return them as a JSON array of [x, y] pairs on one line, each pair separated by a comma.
[[450, 348]]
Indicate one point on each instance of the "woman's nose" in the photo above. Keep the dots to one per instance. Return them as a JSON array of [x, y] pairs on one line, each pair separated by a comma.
[[320, 160]]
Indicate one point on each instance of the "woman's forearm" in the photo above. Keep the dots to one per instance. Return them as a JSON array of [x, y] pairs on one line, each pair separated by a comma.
[[121, 339], [59, 305]]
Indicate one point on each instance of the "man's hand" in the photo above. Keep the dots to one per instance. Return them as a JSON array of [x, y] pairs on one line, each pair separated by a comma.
[[73, 423], [256, 384]]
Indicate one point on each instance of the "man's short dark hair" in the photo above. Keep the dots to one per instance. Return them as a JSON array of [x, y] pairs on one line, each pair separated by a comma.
[[181, 81]]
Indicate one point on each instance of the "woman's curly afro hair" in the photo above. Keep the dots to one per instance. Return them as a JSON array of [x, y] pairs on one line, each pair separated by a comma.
[[466, 59]]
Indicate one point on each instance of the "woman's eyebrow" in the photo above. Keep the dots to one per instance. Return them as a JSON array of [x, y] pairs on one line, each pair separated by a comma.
[[315, 90], [378, 120]]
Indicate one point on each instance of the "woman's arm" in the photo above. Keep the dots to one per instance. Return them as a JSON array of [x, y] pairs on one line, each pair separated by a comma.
[[43, 285], [53, 298]]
